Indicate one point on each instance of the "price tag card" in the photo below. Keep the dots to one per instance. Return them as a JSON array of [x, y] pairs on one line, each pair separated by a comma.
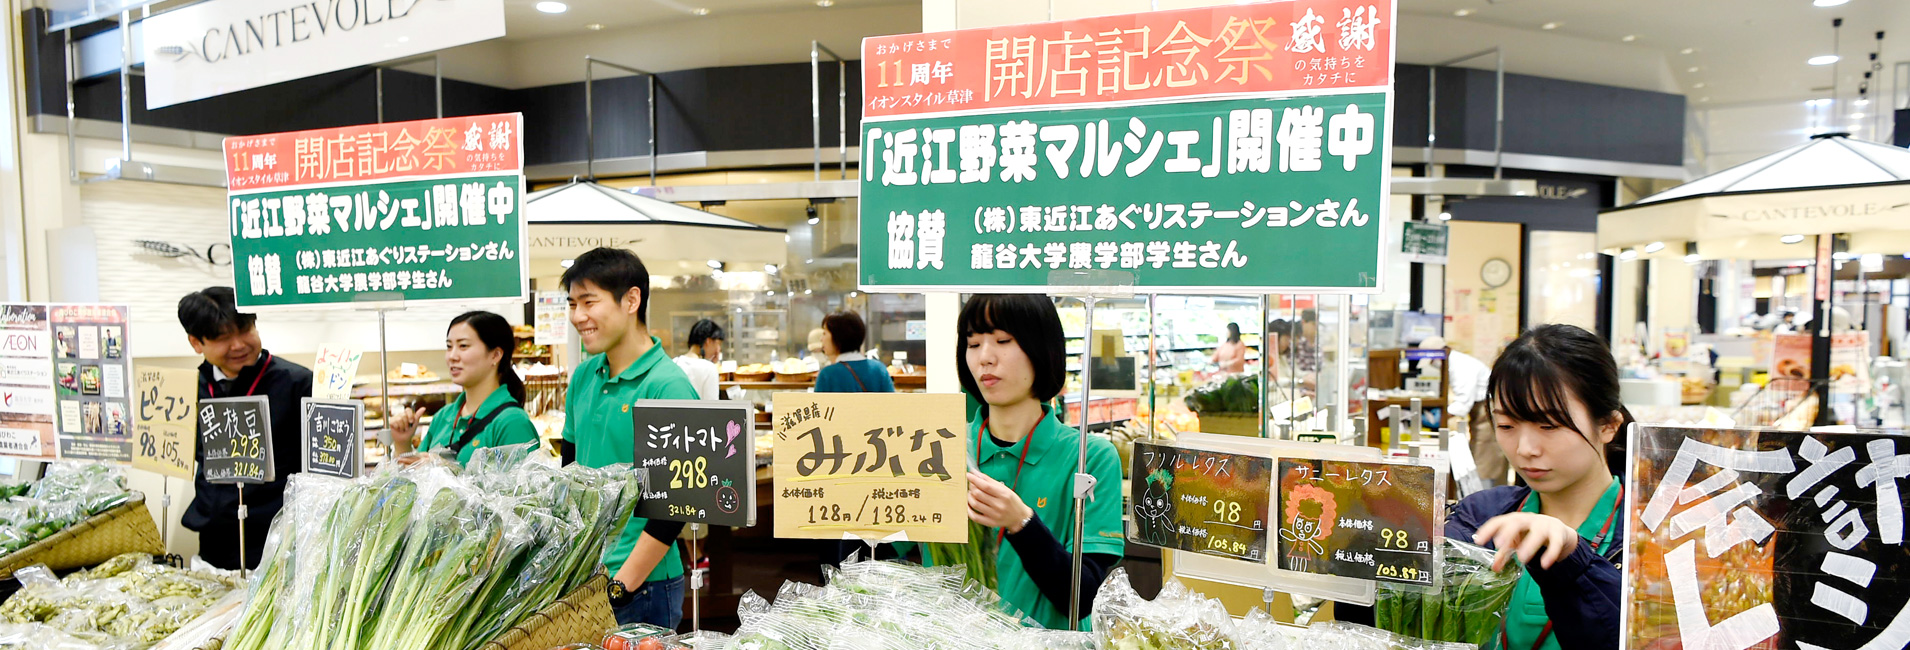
[[333, 371], [1200, 501], [872, 466], [1371, 520], [235, 436], [334, 434], [162, 421], [700, 460]]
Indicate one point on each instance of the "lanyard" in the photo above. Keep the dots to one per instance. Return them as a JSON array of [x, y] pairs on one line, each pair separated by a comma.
[[1026, 441], [255, 380], [1599, 545]]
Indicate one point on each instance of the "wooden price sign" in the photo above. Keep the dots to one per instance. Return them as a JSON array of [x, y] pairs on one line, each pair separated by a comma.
[[235, 439], [1371, 520], [1201, 501], [872, 466], [700, 458], [162, 420], [334, 434]]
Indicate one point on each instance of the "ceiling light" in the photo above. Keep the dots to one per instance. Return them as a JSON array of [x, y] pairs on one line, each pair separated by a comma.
[[1654, 247], [1704, 99], [1462, 13], [1693, 69], [1826, 59], [825, 3], [1628, 254], [1549, 26], [1821, 101], [1856, 116], [594, 26], [566, 263], [1630, 37], [1691, 259], [715, 264], [552, 7], [1791, 239], [1861, 101], [815, 220], [1445, 216], [1828, 3], [701, 11], [806, 292], [1688, 50], [852, 294], [1698, 85], [769, 268]]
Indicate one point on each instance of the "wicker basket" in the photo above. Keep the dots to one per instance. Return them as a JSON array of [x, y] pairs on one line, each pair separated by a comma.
[[126, 528], [796, 377], [582, 616], [754, 376]]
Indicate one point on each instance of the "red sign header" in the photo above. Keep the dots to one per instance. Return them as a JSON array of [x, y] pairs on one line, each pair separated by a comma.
[[374, 152], [1297, 46]]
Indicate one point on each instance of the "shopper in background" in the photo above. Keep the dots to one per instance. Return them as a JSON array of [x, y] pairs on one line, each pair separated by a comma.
[[489, 412], [818, 343], [1013, 360], [852, 372], [1231, 356], [1469, 380], [1787, 324], [609, 299], [699, 363], [237, 365], [1555, 405]]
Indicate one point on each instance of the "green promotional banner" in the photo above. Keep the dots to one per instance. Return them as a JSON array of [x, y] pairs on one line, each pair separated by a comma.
[[437, 239], [1257, 194]]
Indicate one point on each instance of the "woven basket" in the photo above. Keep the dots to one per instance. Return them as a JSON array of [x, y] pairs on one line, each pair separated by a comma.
[[126, 528], [582, 616]]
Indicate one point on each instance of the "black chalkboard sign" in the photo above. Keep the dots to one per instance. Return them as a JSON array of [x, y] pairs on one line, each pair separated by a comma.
[[334, 432], [1201, 501], [235, 440], [700, 460]]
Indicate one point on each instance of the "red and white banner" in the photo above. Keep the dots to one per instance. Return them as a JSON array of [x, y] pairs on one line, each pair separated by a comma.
[[1308, 47], [374, 152]]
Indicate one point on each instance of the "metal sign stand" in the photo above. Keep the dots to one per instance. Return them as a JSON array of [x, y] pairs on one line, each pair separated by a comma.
[[696, 582], [244, 568], [1093, 286], [382, 302]]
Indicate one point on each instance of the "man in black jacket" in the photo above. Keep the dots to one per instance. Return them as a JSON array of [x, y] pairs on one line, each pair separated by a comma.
[[237, 365]]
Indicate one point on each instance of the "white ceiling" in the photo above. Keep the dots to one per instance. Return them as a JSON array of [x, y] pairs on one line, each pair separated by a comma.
[[525, 22]]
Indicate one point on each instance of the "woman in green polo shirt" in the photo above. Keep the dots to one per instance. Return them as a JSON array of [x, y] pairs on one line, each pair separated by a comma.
[[1557, 414], [477, 348], [1014, 362]]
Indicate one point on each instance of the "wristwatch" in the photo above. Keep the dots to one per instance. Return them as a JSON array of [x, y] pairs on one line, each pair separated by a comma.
[[619, 594]]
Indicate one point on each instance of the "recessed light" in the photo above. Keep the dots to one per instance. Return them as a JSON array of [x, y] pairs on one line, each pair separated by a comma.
[[1856, 116], [594, 26], [1861, 102], [1628, 254], [701, 11], [566, 263], [1823, 60], [1693, 69], [1704, 99], [825, 3], [1630, 37], [1549, 26], [1688, 50], [1698, 85], [1462, 13], [1791, 239], [1445, 216], [1821, 101], [552, 7], [1654, 247], [1828, 3]]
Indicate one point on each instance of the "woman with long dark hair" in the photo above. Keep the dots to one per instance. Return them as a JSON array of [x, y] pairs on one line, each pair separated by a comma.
[[1557, 415], [489, 413], [1231, 354]]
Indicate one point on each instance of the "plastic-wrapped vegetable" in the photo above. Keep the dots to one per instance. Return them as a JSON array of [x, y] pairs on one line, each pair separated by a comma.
[[1340, 635], [1177, 619], [1469, 608]]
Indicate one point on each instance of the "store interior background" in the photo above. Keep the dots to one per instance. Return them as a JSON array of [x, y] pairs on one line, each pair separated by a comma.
[[1606, 103]]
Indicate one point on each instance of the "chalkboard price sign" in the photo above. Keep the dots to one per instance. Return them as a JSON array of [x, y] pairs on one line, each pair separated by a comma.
[[700, 461], [1370, 520], [235, 438], [334, 432], [1201, 501]]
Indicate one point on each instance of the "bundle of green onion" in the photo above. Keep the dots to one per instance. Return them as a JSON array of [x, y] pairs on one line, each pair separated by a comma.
[[977, 557], [428, 557], [1469, 608]]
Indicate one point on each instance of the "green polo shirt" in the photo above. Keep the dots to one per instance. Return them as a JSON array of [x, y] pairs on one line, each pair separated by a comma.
[[1046, 486], [512, 426], [1525, 615], [597, 420]]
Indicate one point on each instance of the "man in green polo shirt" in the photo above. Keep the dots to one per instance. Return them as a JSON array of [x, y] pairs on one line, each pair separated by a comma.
[[609, 297]]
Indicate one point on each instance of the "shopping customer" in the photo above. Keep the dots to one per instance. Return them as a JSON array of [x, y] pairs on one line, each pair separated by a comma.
[[1231, 356], [609, 299], [699, 363], [1014, 361], [852, 372], [1556, 410], [237, 365], [489, 412]]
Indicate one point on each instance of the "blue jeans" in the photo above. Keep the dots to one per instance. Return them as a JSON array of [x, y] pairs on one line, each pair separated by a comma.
[[658, 602]]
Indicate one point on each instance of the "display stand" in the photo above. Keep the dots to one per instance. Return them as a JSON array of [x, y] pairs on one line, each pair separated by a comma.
[[1088, 286], [696, 582], [382, 302], [244, 569]]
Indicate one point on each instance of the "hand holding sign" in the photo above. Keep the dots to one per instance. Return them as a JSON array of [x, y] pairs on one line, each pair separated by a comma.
[[162, 420]]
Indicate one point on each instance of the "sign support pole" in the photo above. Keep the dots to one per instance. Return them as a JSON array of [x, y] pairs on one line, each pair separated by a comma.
[[381, 303], [165, 512], [696, 581], [1083, 483], [244, 570]]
